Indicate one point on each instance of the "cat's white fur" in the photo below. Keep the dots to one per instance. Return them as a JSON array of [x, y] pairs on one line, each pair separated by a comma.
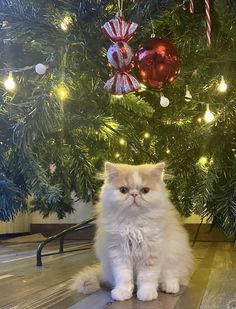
[[139, 241]]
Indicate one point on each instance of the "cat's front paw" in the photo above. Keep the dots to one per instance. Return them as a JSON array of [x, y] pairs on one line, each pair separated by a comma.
[[170, 286], [147, 293], [121, 294]]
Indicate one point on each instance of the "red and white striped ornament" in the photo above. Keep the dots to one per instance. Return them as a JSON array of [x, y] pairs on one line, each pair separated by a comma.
[[208, 18], [191, 6], [208, 22], [118, 30], [120, 55], [121, 83]]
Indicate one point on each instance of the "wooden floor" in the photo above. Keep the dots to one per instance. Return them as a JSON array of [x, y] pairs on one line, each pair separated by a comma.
[[25, 286]]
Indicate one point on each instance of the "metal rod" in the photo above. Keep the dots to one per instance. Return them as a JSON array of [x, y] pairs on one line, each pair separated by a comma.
[[61, 247], [83, 225]]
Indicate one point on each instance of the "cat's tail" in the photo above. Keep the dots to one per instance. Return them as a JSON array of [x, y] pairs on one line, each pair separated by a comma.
[[87, 281]]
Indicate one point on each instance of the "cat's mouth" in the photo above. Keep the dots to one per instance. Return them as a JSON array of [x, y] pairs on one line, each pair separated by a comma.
[[134, 203]]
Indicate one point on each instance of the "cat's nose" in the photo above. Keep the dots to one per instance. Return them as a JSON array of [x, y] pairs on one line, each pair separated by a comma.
[[134, 194]]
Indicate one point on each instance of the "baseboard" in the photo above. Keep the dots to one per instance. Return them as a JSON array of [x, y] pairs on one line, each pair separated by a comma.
[[48, 230], [205, 233], [12, 235]]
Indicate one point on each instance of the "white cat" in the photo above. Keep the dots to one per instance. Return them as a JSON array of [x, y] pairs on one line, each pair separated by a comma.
[[139, 239]]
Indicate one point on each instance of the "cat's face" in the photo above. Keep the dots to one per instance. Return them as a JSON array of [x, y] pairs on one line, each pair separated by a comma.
[[133, 187]]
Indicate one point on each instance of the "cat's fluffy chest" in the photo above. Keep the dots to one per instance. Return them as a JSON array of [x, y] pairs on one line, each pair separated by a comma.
[[137, 239]]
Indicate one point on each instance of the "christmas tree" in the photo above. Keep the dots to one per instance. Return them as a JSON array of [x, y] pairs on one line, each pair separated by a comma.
[[58, 124]]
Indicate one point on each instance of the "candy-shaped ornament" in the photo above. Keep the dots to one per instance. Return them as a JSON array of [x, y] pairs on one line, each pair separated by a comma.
[[120, 55], [121, 83], [118, 30]]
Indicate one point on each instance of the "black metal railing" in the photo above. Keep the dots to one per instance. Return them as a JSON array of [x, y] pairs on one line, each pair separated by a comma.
[[61, 236]]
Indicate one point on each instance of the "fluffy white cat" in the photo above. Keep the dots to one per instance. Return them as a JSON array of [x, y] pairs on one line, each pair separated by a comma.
[[139, 240]]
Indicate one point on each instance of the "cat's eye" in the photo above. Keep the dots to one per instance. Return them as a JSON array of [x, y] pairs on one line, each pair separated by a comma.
[[124, 190], [145, 190]]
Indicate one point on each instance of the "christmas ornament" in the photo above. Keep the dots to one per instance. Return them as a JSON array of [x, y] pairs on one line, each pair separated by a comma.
[[157, 63], [164, 101], [40, 68], [208, 18], [121, 82], [191, 6], [120, 55], [208, 22]]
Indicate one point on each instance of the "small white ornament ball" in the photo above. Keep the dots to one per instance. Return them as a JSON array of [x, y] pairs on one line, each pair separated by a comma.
[[164, 102], [40, 68]]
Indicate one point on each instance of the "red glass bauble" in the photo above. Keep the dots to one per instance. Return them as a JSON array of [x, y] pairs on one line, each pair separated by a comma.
[[157, 63]]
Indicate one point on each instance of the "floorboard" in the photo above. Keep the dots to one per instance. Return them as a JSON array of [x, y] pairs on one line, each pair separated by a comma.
[[25, 286]]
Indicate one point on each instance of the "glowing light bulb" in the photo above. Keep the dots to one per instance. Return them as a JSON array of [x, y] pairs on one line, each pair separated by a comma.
[[167, 150], [64, 26], [118, 96], [65, 23], [202, 160], [117, 155], [188, 95], [199, 120], [9, 83], [222, 86], [143, 87], [164, 101], [62, 92], [208, 116], [122, 141], [146, 135]]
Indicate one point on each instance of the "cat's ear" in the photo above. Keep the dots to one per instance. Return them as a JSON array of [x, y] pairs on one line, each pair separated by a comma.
[[111, 170], [158, 169]]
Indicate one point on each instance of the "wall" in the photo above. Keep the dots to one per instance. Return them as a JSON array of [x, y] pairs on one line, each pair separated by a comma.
[[22, 222], [19, 225], [82, 212]]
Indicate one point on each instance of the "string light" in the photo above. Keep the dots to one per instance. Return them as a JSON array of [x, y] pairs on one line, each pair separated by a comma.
[[168, 151], [9, 83], [222, 86], [188, 95], [65, 23], [122, 141], [199, 120], [117, 155], [202, 160], [146, 135], [62, 92], [164, 101], [143, 87], [208, 116], [118, 96]]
